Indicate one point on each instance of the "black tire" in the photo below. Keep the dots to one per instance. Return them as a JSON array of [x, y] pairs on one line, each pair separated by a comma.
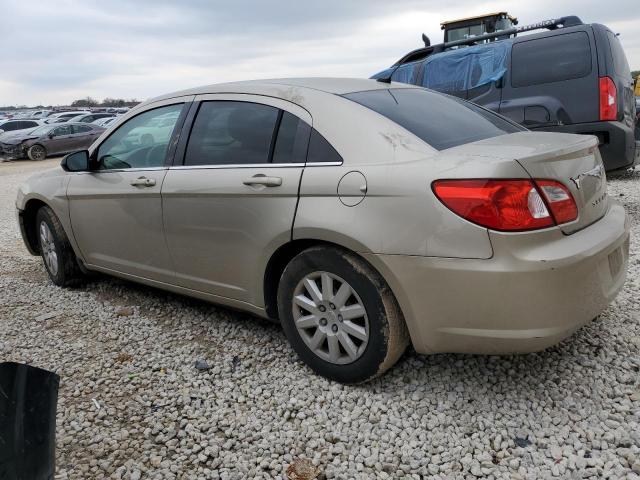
[[67, 273], [388, 336], [37, 152]]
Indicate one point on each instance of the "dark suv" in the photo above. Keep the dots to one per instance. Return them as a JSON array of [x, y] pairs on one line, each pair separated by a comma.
[[572, 79]]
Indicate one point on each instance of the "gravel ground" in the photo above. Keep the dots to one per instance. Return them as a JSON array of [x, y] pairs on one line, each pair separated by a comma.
[[132, 404]]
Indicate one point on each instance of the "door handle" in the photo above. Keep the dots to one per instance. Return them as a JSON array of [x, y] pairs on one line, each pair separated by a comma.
[[143, 182], [263, 180]]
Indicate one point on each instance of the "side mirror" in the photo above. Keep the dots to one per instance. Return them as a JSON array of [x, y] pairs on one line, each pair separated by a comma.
[[50, 135], [76, 162]]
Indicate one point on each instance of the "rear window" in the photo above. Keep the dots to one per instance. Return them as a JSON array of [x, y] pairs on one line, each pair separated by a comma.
[[550, 59], [620, 64], [440, 120]]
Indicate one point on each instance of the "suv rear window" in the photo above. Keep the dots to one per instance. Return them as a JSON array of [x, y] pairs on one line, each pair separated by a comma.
[[440, 120], [550, 59]]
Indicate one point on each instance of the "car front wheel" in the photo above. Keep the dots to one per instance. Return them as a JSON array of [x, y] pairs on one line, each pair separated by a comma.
[[37, 153], [340, 316], [56, 251]]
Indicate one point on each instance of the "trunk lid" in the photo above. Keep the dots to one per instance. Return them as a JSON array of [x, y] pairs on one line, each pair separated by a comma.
[[573, 160]]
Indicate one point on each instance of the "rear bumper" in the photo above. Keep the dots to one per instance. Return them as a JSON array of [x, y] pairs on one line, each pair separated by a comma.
[[536, 290], [617, 141]]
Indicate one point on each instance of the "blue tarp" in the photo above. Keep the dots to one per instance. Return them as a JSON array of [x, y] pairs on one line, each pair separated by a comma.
[[466, 68], [456, 70], [403, 74]]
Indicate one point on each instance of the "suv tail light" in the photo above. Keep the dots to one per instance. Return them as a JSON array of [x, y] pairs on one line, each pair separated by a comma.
[[508, 205], [608, 99]]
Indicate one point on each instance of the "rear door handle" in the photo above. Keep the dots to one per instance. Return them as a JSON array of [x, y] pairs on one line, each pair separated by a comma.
[[143, 182], [263, 180]]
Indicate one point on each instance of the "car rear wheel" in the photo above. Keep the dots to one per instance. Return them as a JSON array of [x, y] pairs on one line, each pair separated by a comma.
[[37, 152], [340, 316], [56, 251]]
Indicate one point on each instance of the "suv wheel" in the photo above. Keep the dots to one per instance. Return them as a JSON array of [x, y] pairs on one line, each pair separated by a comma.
[[56, 251], [340, 315]]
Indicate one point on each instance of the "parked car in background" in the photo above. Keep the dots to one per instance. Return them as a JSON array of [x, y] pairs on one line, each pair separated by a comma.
[[12, 125], [571, 78], [364, 216], [63, 116], [103, 122], [40, 114], [46, 140], [90, 117], [149, 133]]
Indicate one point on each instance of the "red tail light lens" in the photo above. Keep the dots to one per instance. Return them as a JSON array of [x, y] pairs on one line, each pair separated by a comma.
[[508, 205], [560, 201], [608, 99]]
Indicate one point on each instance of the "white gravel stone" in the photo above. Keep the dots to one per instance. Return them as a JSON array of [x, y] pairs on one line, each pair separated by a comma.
[[574, 408]]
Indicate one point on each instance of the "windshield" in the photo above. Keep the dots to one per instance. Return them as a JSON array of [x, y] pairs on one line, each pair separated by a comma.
[[440, 120]]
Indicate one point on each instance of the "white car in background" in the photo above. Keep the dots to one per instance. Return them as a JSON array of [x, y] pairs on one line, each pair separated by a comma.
[[148, 134], [104, 122], [14, 125], [63, 116]]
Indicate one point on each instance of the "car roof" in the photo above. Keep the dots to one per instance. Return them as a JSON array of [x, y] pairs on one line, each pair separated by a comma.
[[336, 86]]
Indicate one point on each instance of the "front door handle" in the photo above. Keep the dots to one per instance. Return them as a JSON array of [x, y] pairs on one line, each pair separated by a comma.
[[263, 180], [143, 182]]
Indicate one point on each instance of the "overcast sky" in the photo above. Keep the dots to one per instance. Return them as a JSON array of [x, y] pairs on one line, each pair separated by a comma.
[[56, 51]]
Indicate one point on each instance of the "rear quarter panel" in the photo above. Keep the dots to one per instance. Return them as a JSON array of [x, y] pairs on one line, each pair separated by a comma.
[[399, 214]]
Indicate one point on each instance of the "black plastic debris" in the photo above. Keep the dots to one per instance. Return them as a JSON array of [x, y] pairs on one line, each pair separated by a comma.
[[202, 365], [28, 402]]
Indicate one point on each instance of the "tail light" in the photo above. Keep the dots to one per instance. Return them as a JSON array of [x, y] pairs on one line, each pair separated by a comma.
[[560, 201], [608, 99], [508, 205]]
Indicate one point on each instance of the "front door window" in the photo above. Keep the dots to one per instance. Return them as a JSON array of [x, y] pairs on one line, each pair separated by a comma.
[[141, 142]]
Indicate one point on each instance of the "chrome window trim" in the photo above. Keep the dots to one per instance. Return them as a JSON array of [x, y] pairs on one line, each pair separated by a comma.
[[215, 167], [115, 170], [324, 164], [238, 165], [254, 165]]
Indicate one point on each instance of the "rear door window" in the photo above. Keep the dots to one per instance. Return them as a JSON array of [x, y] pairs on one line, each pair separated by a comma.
[[440, 120], [550, 59], [231, 133], [292, 140], [321, 151]]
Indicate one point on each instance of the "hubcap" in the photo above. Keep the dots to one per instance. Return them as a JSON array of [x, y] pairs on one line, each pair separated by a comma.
[[330, 317], [48, 248]]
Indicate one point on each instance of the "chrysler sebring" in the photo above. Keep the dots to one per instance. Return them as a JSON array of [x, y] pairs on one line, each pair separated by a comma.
[[364, 216]]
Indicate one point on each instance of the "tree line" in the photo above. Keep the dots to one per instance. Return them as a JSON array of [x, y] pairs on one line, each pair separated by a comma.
[[107, 102]]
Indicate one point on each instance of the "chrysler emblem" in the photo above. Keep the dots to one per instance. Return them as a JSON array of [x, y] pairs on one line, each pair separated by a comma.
[[596, 172]]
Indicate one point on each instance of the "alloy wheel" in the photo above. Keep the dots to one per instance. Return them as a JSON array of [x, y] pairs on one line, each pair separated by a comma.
[[37, 152]]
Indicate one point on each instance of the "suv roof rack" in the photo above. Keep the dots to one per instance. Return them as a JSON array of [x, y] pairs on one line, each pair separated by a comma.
[[428, 49]]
